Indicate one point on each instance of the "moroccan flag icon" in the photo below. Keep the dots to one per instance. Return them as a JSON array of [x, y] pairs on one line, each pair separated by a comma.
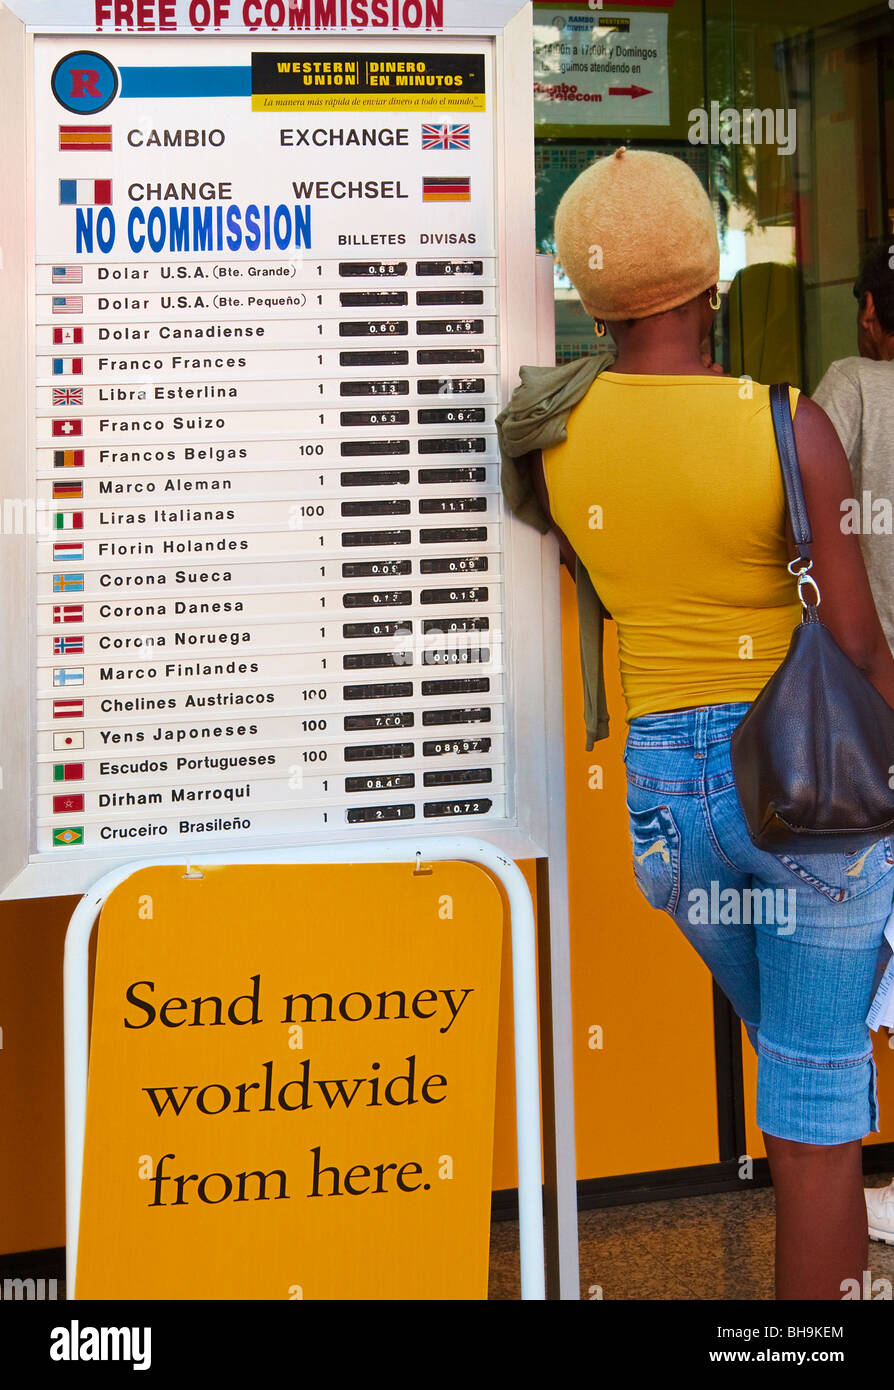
[[71, 835], [68, 366], [68, 612], [68, 709], [68, 458], [68, 772], [456, 190], [71, 490], [63, 743], [68, 521], [61, 336], [85, 137], [67, 275], [67, 429], [69, 804], [68, 304], [85, 192]]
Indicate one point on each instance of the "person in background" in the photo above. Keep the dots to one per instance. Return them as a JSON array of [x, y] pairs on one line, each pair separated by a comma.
[[857, 393]]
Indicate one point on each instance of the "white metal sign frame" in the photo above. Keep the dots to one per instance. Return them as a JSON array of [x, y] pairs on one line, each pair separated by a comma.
[[524, 993]]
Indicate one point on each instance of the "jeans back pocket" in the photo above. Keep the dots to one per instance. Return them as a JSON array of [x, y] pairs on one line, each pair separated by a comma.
[[656, 855], [845, 875]]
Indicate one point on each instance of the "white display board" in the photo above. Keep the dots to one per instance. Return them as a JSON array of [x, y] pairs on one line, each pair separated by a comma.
[[259, 583]]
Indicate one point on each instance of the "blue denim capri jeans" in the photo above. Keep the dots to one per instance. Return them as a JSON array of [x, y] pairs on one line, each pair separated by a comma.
[[796, 944]]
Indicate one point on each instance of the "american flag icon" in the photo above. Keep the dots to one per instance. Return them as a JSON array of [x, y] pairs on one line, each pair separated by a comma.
[[68, 304], [446, 137], [68, 275], [68, 395]]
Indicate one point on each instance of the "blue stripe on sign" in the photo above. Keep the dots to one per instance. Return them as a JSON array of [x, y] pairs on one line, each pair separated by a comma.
[[185, 82]]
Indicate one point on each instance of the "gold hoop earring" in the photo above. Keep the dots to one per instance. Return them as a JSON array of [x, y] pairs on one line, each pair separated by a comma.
[[715, 294], [599, 328]]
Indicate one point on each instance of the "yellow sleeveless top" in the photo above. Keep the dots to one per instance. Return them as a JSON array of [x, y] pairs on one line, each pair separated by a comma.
[[670, 491]]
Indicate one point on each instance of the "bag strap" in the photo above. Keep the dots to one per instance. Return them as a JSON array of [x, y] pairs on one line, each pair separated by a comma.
[[780, 409], [791, 471]]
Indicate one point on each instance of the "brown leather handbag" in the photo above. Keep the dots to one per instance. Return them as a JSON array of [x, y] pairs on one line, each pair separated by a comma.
[[813, 758]]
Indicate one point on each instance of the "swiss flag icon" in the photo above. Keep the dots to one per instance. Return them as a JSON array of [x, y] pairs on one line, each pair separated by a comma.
[[67, 429]]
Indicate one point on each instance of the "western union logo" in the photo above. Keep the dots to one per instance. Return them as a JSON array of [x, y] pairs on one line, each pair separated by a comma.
[[346, 82], [318, 74]]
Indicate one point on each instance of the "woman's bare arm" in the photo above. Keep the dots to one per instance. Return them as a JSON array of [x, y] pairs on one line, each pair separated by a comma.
[[848, 609], [534, 462]]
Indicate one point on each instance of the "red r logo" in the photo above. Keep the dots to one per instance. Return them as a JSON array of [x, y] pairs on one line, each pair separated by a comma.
[[84, 83]]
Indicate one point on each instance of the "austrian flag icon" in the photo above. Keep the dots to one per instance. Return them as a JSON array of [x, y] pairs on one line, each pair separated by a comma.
[[68, 709]]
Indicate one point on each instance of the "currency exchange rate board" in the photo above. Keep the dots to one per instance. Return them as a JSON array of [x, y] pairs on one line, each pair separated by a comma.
[[269, 587]]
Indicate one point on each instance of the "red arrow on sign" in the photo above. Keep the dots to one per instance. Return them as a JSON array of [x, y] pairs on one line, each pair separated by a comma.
[[629, 92]]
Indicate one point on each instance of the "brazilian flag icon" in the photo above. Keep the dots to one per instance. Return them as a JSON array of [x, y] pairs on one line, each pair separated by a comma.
[[71, 835]]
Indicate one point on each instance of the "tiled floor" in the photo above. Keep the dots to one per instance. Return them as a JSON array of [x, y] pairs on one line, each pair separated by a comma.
[[718, 1247]]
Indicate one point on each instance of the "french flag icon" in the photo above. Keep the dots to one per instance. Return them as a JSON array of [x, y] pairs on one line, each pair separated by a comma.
[[85, 192]]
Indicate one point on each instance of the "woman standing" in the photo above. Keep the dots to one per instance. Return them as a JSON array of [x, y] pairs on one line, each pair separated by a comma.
[[668, 493]]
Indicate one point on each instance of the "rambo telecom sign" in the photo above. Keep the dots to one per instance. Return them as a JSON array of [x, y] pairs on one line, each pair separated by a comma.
[[269, 606]]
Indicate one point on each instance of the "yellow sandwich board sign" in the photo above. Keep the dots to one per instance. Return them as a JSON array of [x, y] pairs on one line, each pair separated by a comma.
[[292, 1083]]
